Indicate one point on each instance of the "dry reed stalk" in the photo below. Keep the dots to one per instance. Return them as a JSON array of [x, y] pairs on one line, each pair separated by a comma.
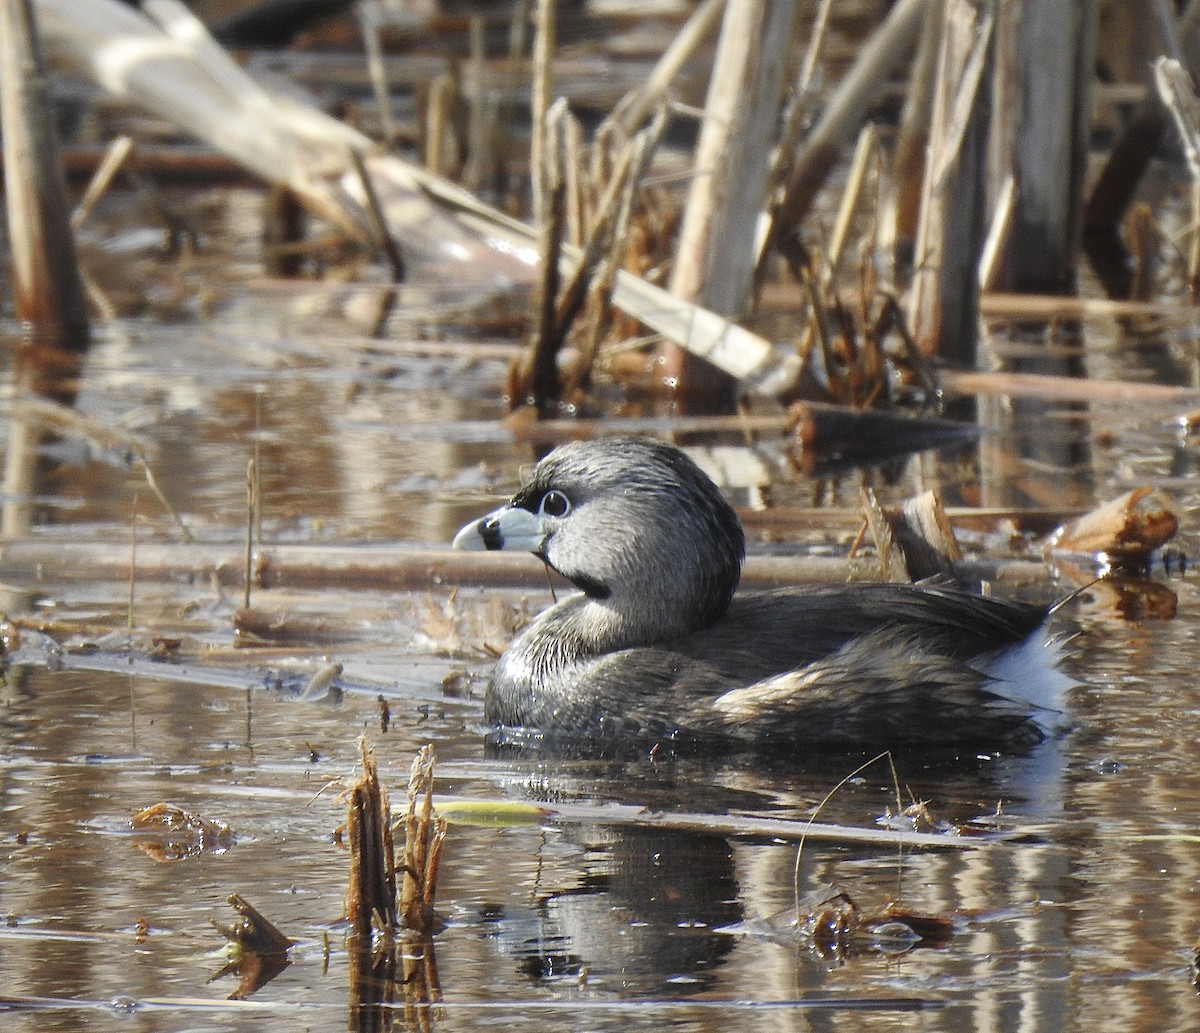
[[381, 234], [1067, 389], [1039, 127], [788, 829], [912, 140], [114, 157], [945, 291], [424, 836], [544, 43], [47, 288], [888, 49], [370, 23], [371, 897], [534, 379], [1178, 94], [1051, 307], [251, 509], [129, 621], [717, 251], [285, 567], [477, 107], [635, 108], [866, 153], [575, 173], [812, 53], [437, 135]]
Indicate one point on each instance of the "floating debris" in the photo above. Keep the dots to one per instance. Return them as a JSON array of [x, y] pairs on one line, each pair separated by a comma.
[[831, 925], [1121, 533], [258, 950], [167, 832]]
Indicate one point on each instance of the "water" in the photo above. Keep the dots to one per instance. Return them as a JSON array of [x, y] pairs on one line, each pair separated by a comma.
[[1083, 918]]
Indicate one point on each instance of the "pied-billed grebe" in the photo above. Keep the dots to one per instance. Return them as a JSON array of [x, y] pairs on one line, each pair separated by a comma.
[[658, 647]]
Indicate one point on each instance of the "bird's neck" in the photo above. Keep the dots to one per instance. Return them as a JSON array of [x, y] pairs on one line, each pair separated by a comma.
[[592, 627]]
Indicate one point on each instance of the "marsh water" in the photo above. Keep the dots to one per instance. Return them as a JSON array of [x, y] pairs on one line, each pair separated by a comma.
[[376, 422]]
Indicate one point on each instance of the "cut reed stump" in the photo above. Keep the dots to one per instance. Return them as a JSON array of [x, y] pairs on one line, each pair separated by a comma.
[[373, 904], [47, 287]]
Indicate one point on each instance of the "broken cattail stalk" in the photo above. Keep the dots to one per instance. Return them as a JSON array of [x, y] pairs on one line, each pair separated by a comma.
[[945, 293], [47, 288], [1040, 115], [371, 899], [923, 533], [717, 250], [892, 566], [423, 838], [912, 140]]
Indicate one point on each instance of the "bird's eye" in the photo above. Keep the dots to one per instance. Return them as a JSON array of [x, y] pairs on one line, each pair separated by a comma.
[[554, 504]]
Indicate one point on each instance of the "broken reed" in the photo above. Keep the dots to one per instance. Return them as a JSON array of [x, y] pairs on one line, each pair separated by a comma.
[[372, 899], [424, 836]]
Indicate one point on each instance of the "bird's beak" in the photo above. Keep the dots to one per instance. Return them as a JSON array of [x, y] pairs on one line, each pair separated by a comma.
[[509, 527]]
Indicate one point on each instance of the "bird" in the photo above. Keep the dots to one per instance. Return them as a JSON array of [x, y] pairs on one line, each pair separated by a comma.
[[659, 647]]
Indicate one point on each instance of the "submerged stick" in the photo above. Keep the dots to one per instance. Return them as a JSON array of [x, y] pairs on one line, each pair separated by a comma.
[[791, 829]]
